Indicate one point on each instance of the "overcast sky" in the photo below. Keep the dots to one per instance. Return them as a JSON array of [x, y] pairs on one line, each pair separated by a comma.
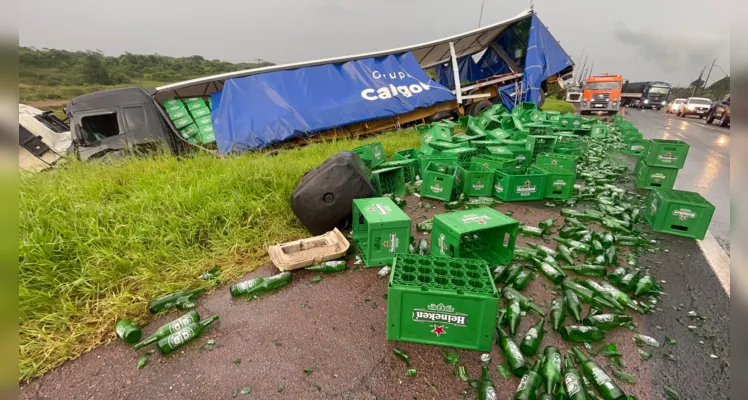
[[641, 39]]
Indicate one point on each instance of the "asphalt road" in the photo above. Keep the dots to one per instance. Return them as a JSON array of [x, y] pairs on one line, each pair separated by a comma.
[[707, 169]]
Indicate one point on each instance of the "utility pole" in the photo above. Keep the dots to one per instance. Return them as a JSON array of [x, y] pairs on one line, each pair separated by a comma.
[[591, 68], [581, 77], [708, 75], [697, 80], [480, 18]]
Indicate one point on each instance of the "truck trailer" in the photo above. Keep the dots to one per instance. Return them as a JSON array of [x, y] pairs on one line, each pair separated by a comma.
[[650, 94]]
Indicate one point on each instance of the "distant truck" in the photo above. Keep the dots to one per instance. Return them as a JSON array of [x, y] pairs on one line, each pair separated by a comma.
[[602, 94], [645, 94]]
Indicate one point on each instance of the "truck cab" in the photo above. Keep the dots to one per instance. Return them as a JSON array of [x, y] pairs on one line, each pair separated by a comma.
[[602, 94]]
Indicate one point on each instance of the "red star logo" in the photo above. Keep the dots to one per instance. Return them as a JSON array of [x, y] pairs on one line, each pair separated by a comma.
[[682, 217], [668, 154], [385, 243], [439, 330], [482, 222], [370, 209], [527, 183], [554, 162], [436, 185], [485, 165]]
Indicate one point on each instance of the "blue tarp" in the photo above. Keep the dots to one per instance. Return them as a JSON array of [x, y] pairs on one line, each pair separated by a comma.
[[488, 65], [544, 58], [265, 109]]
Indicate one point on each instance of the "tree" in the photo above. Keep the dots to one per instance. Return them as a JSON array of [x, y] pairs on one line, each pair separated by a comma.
[[95, 72], [697, 83]]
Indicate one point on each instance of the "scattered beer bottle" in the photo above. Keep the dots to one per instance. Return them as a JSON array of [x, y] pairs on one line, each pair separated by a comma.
[[599, 378], [127, 331], [453, 205], [479, 202], [486, 390], [529, 384], [564, 253], [575, 245], [514, 271], [329, 266], [182, 299], [617, 275], [622, 298], [567, 231], [607, 239], [527, 230], [628, 282], [558, 313], [584, 293], [524, 301], [606, 321], [169, 328], [423, 247], [514, 316], [511, 352], [543, 250], [577, 333], [573, 305], [604, 294], [425, 226], [260, 285], [547, 224], [611, 256], [499, 273], [183, 336], [561, 392], [575, 389], [597, 247], [531, 342], [522, 280], [553, 274], [645, 285], [551, 369], [586, 269], [545, 396]]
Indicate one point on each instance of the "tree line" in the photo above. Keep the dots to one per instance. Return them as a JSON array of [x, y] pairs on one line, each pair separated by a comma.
[[52, 67]]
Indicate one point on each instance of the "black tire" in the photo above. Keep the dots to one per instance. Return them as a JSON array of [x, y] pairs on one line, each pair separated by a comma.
[[724, 122], [659, 108], [701, 117], [541, 100], [438, 117], [584, 113], [710, 118], [476, 108]]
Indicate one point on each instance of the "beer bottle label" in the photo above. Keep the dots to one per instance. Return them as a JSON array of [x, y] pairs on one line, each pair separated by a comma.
[[531, 334], [523, 383], [120, 330], [557, 361], [490, 393], [180, 323], [572, 384], [246, 285], [180, 337]]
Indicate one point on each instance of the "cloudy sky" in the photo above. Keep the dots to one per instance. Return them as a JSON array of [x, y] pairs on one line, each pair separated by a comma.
[[641, 39]]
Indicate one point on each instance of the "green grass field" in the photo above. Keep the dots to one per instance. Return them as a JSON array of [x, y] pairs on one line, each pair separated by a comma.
[[552, 104], [98, 241], [34, 93]]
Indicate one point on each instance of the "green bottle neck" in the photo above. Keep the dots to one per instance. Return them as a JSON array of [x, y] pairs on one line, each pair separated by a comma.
[[207, 321]]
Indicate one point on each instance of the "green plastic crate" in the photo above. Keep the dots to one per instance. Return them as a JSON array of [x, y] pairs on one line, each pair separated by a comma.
[[518, 185], [568, 122], [206, 120], [679, 213], [467, 138], [436, 132], [389, 181], [481, 145], [481, 234], [200, 112], [541, 143], [514, 143], [372, 154], [196, 105], [474, 179], [190, 132], [569, 145], [539, 129], [498, 134], [409, 154], [171, 102], [637, 147], [559, 182], [424, 160], [631, 134], [439, 181], [442, 301], [565, 161], [495, 162], [380, 230], [410, 168], [174, 107], [179, 114], [462, 154], [441, 145], [182, 122], [206, 134], [599, 131], [194, 100], [523, 156], [649, 177], [666, 153]]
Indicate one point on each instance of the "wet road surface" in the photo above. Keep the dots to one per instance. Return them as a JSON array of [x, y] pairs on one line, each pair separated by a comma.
[[707, 169]]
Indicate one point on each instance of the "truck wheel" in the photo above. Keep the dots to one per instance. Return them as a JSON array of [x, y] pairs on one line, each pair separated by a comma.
[[710, 118], [438, 117], [724, 121], [541, 100], [478, 108]]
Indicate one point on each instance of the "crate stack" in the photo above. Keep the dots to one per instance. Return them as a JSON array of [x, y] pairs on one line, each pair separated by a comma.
[[658, 166], [192, 118]]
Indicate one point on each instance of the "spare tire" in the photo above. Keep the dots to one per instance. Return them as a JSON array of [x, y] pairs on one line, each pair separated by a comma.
[[438, 116], [476, 108]]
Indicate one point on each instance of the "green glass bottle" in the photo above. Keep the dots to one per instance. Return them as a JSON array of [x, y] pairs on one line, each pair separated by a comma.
[[604, 294], [575, 389], [547, 224], [183, 336], [551, 369], [486, 390], [611, 256], [565, 254], [499, 273], [607, 239], [546, 396], [555, 275], [529, 384], [606, 321], [511, 352], [524, 301], [567, 231], [573, 305], [169, 328], [453, 205], [127, 331], [261, 285], [575, 245], [514, 271], [622, 298], [579, 333], [598, 377], [574, 222], [182, 299], [597, 247], [522, 280], [645, 285], [543, 250], [423, 247], [582, 292], [586, 269], [531, 342], [561, 392], [513, 316], [424, 226], [628, 282], [617, 275], [479, 202], [558, 313], [527, 230], [329, 266]]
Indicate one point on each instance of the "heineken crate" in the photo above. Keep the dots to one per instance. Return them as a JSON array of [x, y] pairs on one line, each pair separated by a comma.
[[515, 143], [666, 153], [462, 154], [442, 145], [637, 147], [572, 146], [474, 179], [389, 181], [409, 154], [568, 121], [495, 162], [498, 134], [599, 131], [410, 168], [631, 134], [679, 213], [522, 155], [518, 185], [372, 154], [200, 112], [171, 102], [649, 177], [206, 134], [424, 160], [179, 114], [565, 161], [541, 143], [182, 122], [539, 129], [481, 145], [380, 230], [206, 120], [436, 132], [439, 181], [190, 100], [463, 138], [559, 182], [195, 105], [190, 132], [442, 301], [482, 234], [174, 107]]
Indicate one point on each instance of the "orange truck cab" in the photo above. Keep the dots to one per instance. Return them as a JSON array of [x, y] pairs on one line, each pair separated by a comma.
[[602, 94]]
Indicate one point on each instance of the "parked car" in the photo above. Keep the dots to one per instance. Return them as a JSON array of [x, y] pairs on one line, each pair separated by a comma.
[[720, 111], [674, 106], [695, 106]]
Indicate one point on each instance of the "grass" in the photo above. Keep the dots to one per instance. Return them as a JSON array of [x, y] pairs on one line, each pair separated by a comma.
[[552, 104], [97, 241], [34, 93]]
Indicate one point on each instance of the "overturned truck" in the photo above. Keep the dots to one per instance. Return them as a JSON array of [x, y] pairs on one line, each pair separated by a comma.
[[508, 62]]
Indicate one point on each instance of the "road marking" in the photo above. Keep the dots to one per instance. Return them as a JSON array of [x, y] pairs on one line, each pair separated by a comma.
[[718, 261]]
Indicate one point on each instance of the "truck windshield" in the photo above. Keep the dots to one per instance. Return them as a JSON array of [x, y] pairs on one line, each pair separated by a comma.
[[659, 90], [602, 85]]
